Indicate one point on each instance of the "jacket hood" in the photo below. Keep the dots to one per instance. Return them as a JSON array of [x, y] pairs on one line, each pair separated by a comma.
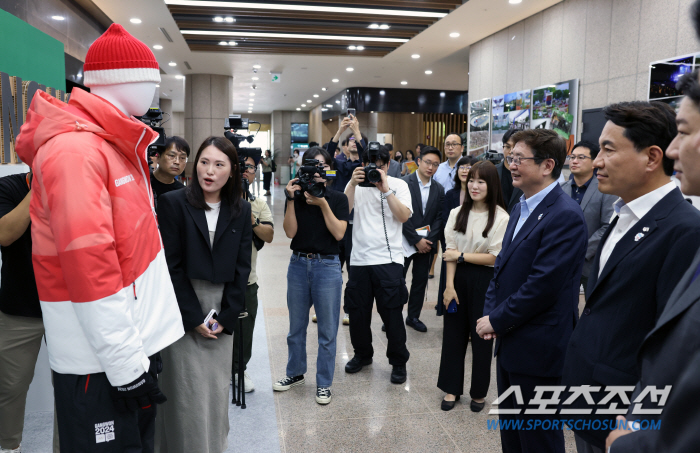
[[48, 117]]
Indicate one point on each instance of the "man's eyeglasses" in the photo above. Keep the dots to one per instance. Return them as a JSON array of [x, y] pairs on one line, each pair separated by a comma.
[[580, 157], [452, 145], [175, 157], [517, 159], [465, 167], [431, 164], [250, 167]]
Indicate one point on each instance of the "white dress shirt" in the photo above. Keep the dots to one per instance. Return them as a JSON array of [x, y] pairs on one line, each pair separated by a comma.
[[445, 175], [629, 214], [527, 205], [424, 191]]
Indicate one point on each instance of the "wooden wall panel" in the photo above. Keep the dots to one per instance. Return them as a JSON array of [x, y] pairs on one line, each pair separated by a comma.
[[438, 125]]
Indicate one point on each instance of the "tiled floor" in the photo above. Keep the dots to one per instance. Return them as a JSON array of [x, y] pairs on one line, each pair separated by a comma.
[[368, 413]]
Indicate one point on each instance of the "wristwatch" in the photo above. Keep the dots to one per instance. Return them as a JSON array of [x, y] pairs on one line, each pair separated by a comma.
[[257, 223], [460, 260], [386, 195], [289, 197]]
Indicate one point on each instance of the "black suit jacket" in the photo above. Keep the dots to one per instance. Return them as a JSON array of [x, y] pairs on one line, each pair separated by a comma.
[[663, 358], [531, 301], [627, 299], [189, 255], [433, 211], [517, 193]]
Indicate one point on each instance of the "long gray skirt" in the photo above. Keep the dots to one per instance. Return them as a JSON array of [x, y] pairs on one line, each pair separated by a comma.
[[195, 379]]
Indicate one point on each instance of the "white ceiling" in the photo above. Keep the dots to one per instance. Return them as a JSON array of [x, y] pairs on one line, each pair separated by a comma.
[[305, 75]]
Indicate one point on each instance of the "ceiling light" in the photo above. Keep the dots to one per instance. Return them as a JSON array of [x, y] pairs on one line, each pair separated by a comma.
[[349, 69], [172, 63], [454, 35], [298, 109], [311, 8], [337, 102], [335, 80], [218, 19], [360, 47], [251, 100], [308, 101], [255, 78], [384, 27], [352, 47], [256, 66], [135, 20], [158, 47], [413, 113], [442, 94], [382, 93], [373, 26], [303, 105], [250, 111], [229, 20], [324, 89], [315, 95], [415, 56], [428, 72], [514, 2], [179, 77], [403, 82], [249, 34], [329, 106], [157, 86], [58, 18], [223, 43], [324, 110], [512, 38], [232, 43]]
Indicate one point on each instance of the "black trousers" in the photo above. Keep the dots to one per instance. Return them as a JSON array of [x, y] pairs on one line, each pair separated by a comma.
[[88, 421], [386, 284], [267, 177], [526, 441], [471, 283], [421, 268], [345, 246]]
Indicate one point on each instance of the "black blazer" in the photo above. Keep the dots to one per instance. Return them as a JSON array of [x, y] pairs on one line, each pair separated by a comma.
[[663, 357], [433, 211], [188, 253], [517, 193], [627, 299], [531, 301]]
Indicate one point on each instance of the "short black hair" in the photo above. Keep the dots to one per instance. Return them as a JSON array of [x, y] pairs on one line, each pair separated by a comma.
[[313, 144], [384, 155], [509, 133], [593, 147], [545, 144], [180, 144], [430, 150], [389, 146], [646, 124], [689, 86]]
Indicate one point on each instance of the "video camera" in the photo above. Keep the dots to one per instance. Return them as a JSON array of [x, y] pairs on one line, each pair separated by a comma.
[[307, 178], [235, 123], [372, 174], [154, 119]]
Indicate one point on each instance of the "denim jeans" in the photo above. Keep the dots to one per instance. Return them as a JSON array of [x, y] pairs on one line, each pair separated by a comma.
[[318, 283]]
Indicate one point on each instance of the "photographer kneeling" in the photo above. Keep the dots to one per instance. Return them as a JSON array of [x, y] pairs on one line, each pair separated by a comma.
[[382, 204], [315, 219]]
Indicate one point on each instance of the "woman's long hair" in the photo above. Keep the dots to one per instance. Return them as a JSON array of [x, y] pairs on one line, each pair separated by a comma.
[[494, 197], [413, 157], [231, 192], [314, 152]]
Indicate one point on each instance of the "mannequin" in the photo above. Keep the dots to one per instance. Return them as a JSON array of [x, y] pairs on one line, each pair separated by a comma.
[[132, 99]]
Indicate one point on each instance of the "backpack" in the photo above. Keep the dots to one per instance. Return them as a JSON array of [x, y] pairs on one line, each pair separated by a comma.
[[273, 165]]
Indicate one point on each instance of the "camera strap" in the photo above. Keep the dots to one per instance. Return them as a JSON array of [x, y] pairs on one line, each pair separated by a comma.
[[386, 236]]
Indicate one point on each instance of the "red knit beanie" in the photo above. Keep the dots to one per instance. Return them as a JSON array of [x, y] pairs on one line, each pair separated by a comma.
[[117, 57]]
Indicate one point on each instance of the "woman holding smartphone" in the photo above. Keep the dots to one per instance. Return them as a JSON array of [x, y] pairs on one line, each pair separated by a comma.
[[207, 237], [315, 226], [473, 236]]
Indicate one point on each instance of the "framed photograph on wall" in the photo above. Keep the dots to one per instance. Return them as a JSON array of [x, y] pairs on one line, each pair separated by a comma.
[[514, 114], [555, 107], [479, 126]]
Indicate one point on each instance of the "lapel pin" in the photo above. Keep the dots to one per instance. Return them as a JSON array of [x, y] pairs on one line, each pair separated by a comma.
[[638, 237], [645, 229], [539, 217]]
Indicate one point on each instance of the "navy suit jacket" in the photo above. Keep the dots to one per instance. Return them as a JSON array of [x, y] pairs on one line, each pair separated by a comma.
[[532, 301]]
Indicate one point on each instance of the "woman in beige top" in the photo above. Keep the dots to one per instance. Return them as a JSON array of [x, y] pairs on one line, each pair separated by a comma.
[[473, 236]]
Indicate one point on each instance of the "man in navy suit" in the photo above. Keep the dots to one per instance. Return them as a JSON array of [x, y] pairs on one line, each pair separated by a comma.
[[532, 302]]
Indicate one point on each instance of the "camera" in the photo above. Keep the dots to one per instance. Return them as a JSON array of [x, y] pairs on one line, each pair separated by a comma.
[[372, 174], [307, 178], [154, 119]]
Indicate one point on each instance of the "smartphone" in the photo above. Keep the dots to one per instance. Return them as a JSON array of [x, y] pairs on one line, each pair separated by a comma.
[[351, 112], [452, 308], [211, 314]]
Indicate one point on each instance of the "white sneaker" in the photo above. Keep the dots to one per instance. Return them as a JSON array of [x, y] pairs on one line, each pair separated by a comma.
[[16, 450], [323, 395], [247, 383], [346, 320]]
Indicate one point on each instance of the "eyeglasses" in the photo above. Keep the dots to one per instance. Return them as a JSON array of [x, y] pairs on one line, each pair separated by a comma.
[[250, 167], [452, 145], [579, 157], [507, 146], [517, 160], [431, 164], [465, 167], [175, 157]]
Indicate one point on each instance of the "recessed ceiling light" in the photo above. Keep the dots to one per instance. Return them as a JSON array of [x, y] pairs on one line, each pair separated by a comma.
[[413, 113], [315, 95], [324, 89], [324, 110], [308, 101], [352, 47], [329, 105], [298, 109], [403, 82], [223, 43], [232, 43], [255, 78], [337, 102], [58, 18], [158, 47], [335, 80], [256, 66], [179, 77], [454, 35], [250, 111], [157, 86], [229, 20], [172, 63], [415, 56], [514, 2], [349, 69], [254, 35], [218, 19], [373, 26], [442, 94], [382, 93], [360, 47], [303, 105], [384, 27], [512, 38], [135, 20], [428, 72], [251, 100]]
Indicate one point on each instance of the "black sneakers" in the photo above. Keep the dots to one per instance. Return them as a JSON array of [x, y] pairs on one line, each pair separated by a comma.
[[323, 395], [356, 364], [287, 382], [398, 374]]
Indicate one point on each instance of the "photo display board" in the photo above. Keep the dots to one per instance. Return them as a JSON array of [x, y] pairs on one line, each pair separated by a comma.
[[510, 111], [665, 74], [555, 107], [479, 126]]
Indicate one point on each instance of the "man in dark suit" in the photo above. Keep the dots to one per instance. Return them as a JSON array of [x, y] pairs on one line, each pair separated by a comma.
[[427, 196], [597, 207], [675, 338], [511, 194], [531, 303], [641, 257]]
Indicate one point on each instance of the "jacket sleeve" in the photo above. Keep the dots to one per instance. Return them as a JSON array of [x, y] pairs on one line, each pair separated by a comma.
[[409, 229], [560, 252], [170, 219], [606, 212], [438, 222], [234, 292], [74, 187]]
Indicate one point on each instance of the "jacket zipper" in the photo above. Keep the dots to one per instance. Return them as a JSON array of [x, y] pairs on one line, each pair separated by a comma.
[[145, 180]]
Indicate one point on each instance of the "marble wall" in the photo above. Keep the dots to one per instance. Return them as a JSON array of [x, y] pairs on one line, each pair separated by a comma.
[[607, 44]]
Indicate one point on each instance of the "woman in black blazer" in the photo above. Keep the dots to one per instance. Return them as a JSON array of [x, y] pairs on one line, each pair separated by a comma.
[[207, 236]]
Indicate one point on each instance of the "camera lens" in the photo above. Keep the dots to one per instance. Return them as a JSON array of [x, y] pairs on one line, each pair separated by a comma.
[[374, 176], [317, 190]]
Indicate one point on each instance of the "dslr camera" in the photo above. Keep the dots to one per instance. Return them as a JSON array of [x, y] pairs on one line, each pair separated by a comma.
[[372, 174], [154, 119], [307, 178]]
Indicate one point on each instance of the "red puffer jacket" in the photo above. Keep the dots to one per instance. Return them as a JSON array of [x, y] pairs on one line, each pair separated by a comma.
[[105, 291]]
